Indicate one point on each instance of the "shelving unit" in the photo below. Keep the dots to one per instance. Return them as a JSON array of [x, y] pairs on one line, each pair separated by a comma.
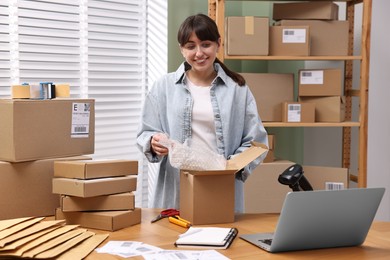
[[217, 12]]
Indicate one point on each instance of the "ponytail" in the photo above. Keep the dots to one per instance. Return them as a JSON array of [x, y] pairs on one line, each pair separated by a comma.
[[238, 78]]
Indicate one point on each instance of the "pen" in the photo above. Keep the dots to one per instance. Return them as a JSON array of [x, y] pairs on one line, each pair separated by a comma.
[[179, 221]]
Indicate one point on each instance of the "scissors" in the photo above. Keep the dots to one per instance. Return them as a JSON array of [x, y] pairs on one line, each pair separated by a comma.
[[165, 214]]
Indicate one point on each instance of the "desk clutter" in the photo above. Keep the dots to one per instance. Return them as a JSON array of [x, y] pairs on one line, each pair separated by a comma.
[[36, 238]]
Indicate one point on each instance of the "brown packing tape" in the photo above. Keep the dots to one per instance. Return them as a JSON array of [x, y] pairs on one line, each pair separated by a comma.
[[83, 249], [61, 248], [249, 25]]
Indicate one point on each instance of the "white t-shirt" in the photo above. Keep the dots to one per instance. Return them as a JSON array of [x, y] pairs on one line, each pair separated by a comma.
[[203, 126]]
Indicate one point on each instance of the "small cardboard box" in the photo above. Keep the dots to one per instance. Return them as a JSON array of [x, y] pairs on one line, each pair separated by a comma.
[[264, 194], [320, 82], [247, 35], [328, 109], [296, 112], [289, 41], [328, 38], [95, 168], [321, 10], [207, 197], [26, 188], [94, 187], [270, 90], [103, 220], [42, 129], [121, 201]]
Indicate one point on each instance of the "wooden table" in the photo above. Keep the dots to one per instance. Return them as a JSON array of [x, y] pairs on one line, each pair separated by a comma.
[[163, 234]]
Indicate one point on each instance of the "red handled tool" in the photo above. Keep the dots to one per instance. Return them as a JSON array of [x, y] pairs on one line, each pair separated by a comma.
[[165, 214]]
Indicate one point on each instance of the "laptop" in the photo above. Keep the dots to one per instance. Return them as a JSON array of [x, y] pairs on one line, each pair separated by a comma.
[[321, 219]]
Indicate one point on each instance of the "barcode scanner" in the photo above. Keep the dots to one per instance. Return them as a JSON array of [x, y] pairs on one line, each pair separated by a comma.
[[293, 177]]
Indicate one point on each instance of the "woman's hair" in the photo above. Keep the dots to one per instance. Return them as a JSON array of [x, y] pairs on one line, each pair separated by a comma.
[[206, 30]]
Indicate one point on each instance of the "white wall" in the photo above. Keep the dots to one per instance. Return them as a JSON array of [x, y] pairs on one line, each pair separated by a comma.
[[379, 105]]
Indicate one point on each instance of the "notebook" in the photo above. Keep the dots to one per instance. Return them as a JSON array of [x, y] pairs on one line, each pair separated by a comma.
[[321, 219], [207, 237]]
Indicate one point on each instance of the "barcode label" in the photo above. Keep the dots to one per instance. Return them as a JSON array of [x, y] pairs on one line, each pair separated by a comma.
[[294, 113], [80, 120], [334, 185], [313, 77], [294, 36]]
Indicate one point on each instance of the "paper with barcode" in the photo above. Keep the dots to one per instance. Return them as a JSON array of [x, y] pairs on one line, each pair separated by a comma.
[[311, 77], [80, 120], [294, 36]]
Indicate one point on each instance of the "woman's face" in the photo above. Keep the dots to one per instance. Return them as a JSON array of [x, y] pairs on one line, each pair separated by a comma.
[[200, 54]]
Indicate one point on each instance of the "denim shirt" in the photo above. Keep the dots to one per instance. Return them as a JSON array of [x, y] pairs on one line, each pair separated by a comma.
[[168, 109]]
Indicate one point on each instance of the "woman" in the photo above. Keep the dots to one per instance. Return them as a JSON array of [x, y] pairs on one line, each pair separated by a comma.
[[203, 101]]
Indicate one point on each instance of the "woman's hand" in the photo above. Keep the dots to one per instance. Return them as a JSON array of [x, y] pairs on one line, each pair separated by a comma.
[[157, 148]]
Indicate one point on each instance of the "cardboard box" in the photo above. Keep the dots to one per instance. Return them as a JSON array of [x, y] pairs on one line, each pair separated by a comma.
[[91, 169], [328, 38], [270, 90], [271, 146], [328, 109], [207, 197], [104, 220], [94, 187], [42, 129], [26, 188], [247, 35], [296, 112], [264, 194], [62, 90], [320, 82], [121, 201], [289, 41], [321, 10]]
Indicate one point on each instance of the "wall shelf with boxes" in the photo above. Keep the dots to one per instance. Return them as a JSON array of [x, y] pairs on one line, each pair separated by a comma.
[[217, 12]]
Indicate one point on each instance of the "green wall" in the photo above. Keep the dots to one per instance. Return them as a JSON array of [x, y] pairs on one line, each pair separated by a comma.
[[289, 141]]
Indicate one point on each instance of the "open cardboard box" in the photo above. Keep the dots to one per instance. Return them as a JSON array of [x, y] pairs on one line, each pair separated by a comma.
[[207, 197]]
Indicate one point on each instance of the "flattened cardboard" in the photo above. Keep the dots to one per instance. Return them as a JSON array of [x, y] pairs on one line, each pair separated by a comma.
[[207, 197], [41, 129], [270, 90], [264, 194], [247, 35], [94, 187], [91, 169], [104, 220], [121, 201]]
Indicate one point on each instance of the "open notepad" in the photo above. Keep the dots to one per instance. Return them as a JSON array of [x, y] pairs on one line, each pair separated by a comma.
[[207, 237]]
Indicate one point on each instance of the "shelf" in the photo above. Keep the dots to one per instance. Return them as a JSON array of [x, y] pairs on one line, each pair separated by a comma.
[[322, 58], [318, 124]]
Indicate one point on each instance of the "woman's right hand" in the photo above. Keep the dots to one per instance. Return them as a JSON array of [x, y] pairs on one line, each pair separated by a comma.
[[157, 147]]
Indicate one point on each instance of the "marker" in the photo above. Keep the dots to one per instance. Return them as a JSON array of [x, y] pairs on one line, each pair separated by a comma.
[[179, 221]]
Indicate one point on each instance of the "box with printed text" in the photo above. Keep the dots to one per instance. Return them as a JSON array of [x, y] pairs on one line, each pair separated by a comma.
[[41, 129]]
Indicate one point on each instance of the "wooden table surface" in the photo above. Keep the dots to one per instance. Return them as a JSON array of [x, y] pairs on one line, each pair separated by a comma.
[[163, 234]]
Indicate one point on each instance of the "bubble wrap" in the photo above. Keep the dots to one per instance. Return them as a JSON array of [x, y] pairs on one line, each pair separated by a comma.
[[193, 156]]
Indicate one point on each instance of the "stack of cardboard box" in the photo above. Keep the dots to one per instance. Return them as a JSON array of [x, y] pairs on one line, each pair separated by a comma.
[[97, 193], [33, 135]]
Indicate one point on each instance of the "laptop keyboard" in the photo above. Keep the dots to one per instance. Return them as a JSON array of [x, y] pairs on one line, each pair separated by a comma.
[[266, 241]]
